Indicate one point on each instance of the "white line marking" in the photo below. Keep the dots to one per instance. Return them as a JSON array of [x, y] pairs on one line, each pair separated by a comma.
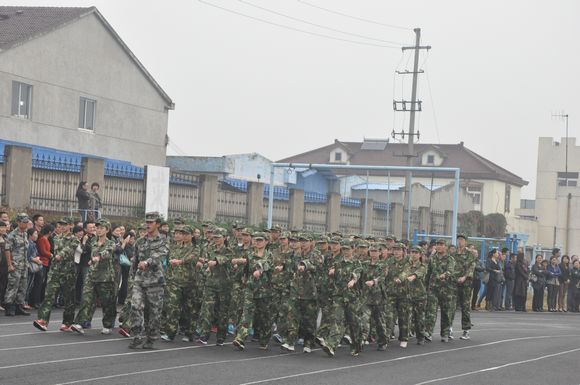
[[175, 367], [496, 367], [31, 333], [64, 344], [274, 379]]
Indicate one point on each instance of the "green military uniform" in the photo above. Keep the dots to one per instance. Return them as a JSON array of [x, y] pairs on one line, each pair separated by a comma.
[[418, 298], [375, 301], [465, 263], [17, 245], [238, 277], [327, 290], [397, 293], [281, 281], [442, 278]]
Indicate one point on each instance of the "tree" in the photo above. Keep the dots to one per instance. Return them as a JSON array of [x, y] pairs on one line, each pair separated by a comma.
[[495, 225], [471, 223]]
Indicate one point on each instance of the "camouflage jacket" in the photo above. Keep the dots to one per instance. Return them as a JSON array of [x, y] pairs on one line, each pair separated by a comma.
[[153, 251], [417, 288], [64, 246], [441, 265], [344, 272], [185, 272], [238, 272], [219, 275], [104, 270], [465, 264], [17, 244], [397, 269], [281, 279], [306, 283], [259, 287], [375, 295], [327, 283]]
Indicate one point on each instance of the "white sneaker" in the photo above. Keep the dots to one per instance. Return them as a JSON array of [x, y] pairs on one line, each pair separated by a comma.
[[307, 350], [287, 347], [403, 344], [106, 331], [465, 335], [77, 328]]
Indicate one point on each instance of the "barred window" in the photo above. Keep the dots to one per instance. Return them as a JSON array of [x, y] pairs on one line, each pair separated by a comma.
[[87, 113]]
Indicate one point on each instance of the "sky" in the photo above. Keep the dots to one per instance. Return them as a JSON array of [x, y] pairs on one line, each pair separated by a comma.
[[496, 73]]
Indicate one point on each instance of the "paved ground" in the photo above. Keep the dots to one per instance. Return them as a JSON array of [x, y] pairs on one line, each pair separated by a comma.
[[506, 348]]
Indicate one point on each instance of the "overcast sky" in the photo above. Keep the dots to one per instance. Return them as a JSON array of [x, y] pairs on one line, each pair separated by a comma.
[[497, 72]]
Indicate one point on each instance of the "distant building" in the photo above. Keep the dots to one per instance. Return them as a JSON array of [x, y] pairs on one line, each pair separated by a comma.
[[492, 188], [69, 82]]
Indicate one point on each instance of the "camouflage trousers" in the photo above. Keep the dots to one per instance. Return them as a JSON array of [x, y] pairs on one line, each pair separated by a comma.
[[378, 323], [430, 313], [398, 309], [464, 302], [178, 304], [236, 303], [98, 291], [446, 301], [344, 317], [302, 317], [125, 315], [418, 306], [65, 284], [146, 307], [365, 322], [256, 314], [215, 305], [280, 307], [17, 283], [326, 308]]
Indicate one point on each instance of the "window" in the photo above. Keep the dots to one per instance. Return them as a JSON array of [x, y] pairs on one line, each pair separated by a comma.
[[569, 179], [430, 159], [21, 99], [87, 113], [338, 156], [475, 192]]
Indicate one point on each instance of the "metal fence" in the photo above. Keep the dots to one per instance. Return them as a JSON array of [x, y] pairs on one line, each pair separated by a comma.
[[349, 219], [2, 178], [315, 217], [54, 190], [415, 222], [183, 196], [231, 206], [437, 222], [279, 213], [123, 197]]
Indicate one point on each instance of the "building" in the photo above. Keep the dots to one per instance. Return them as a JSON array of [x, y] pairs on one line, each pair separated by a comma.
[[492, 188], [69, 82], [557, 205]]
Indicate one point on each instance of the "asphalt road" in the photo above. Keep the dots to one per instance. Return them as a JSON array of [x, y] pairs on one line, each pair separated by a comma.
[[506, 348]]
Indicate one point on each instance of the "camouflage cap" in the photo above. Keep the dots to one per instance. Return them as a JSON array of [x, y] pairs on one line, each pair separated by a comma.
[[292, 237], [462, 235], [346, 244], [260, 235], [362, 244], [370, 238], [22, 217], [398, 245], [374, 247], [63, 221], [335, 239], [416, 249], [322, 239], [237, 225], [305, 237], [441, 240], [103, 223], [390, 237], [276, 228], [186, 229], [207, 223], [179, 221], [218, 232], [285, 234], [246, 231], [152, 216]]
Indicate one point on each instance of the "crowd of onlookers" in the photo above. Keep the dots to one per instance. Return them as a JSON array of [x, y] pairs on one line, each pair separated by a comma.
[[506, 277]]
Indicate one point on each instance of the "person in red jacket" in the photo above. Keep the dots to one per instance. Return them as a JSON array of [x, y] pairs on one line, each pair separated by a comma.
[[45, 254]]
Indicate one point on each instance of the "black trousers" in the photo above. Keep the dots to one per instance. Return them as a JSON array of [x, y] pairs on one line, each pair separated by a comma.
[[538, 299]]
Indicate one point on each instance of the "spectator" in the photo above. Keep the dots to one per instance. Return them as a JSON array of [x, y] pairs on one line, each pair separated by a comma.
[[552, 282], [572, 304], [125, 247], [477, 278], [521, 283], [510, 276], [495, 279], [82, 266], [538, 279], [95, 202], [575, 285], [83, 197], [564, 281], [45, 253], [38, 221], [3, 265], [35, 269]]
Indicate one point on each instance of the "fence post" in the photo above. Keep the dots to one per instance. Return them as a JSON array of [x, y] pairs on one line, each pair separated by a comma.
[[366, 228], [18, 163], [448, 223], [397, 220], [255, 203], [296, 209], [207, 200], [424, 219], [333, 212], [93, 170]]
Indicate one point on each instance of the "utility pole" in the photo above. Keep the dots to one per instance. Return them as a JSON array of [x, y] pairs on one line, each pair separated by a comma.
[[564, 116], [415, 106]]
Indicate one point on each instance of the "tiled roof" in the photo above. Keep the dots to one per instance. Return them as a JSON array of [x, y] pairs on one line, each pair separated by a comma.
[[472, 165]]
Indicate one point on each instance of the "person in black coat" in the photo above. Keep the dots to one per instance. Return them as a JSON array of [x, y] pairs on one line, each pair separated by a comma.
[[495, 280], [521, 283], [83, 197], [539, 282]]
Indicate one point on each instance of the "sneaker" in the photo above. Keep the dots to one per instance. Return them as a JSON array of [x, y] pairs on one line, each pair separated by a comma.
[[166, 338], [77, 328], [382, 347], [124, 332], [86, 325], [347, 339], [263, 347], [65, 328], [40, 325], [187, 339], [403, 344], [277, 338], [239, 344], [428, 338], [287, 348], [319, 341], [354, 353], [106, 331], [307, 349], [148, 345], [136, 343], [420, 342], [231, 329], [451, 333], [445, 339], [328, 350], [366, 343], [465, 335], [219, 342], [202, 340]]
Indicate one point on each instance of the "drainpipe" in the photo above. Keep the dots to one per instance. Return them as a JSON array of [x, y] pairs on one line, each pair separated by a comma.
[[568, 221]]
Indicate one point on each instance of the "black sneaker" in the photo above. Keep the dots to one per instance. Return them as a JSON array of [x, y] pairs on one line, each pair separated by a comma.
[[148, 345], [382, 347], [219, 342], [136, 343], [202, 340], [328, 350]]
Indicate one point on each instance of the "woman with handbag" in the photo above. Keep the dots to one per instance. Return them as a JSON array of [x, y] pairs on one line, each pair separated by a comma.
[[35, 269], [553, 273], [521, 283]]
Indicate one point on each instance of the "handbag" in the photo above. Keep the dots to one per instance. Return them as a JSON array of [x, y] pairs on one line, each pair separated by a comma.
[[124, 260], [485, 278], [33, 268]]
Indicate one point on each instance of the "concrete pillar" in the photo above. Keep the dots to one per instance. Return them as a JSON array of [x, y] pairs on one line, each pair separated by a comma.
[[333, 212], [448, 223], [18, 165], [296, 209], [207, 201], [424, 219], [255, 203], [93, 170], [368, 208], [397, 212]]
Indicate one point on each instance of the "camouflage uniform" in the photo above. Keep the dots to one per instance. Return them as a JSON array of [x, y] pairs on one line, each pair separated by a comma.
[[238, 278], [465, 263], [397, 297], [216, 293], [256, 311], [148, 288], [375, 301], [281, 282], [418, 298], [17, 245], [443, 289], [327, 290], [100, 285], [61, 277]]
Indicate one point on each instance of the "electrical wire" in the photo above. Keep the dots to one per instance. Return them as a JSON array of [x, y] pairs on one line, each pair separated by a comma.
[[225, 9], [432, 107], [316, 24], [354, 17]]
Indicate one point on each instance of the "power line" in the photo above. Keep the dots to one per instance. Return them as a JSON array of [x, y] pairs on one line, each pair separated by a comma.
[[316, 24], [433, 107], [296, 29], [353, 17]]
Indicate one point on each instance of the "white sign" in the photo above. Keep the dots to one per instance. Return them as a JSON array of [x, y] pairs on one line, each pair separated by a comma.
[[157, 190]]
